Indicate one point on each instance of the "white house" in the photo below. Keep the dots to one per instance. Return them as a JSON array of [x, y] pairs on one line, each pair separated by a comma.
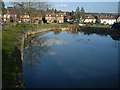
[[118, 19], [104, 18], [90, 18], [107, 19]]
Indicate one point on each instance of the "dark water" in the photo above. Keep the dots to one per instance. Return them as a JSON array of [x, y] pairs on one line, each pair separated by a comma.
[[67, 60]]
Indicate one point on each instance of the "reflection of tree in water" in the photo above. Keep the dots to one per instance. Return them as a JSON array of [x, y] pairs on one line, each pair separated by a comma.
[[57, 31], [115, 35], [34, 52], [38, 47], [74, 33]]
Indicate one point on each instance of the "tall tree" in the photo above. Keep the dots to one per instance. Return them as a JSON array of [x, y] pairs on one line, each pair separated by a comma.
[[78, 9], [82, 15], [32, 9], [77, 15], [2, 8], [97, 20]]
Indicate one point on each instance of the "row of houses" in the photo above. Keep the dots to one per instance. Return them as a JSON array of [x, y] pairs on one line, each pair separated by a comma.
[[60, 18], [104, 18], [57, 18]]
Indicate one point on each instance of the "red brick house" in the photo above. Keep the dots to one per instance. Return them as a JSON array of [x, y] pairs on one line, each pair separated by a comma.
[[55, 17]]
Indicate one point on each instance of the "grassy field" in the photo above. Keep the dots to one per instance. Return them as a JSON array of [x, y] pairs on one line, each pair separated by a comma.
[[102, 26]]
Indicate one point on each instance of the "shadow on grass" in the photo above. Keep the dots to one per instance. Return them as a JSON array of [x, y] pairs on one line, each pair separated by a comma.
[[12, 69]]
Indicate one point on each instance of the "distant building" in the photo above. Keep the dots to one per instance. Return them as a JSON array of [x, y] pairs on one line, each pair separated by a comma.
[[55, 17], [37, 20], [25, 18], [104, 18], [108, 19], [118, 19], [89, 18]]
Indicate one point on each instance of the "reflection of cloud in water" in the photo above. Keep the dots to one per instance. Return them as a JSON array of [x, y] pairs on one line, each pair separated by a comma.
[[43, 41], [51, 53]]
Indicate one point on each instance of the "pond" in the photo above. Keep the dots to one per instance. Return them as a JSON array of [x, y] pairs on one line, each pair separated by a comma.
[[71, 60]]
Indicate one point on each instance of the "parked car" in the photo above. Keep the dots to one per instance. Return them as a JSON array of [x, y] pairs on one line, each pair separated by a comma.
[[116, 25]]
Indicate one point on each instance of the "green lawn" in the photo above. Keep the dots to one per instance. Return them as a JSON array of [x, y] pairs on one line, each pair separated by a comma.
[[104, 26]]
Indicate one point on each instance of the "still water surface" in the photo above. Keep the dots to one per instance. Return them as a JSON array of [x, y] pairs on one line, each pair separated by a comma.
[[67, 60]]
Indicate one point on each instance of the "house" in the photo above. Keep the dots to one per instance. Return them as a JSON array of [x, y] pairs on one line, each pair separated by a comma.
[[104, 18], [37, 20], [24, 18], [55, 17], [107, 19], [70, 19], [89, 18], [118, 19]]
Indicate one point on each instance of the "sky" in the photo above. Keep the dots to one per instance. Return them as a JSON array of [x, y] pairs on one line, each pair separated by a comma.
[[93, 6]]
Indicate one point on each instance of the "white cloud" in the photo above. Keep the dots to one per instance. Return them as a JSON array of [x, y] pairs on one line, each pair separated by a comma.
[[61, 5]]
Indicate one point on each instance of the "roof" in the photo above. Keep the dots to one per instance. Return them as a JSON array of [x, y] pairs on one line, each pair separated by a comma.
[[56, 14], [90, 16], [101, 16], [107, 17], [25, 16]]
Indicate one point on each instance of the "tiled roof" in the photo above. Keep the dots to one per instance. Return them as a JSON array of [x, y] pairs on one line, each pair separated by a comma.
[[55, 14], [89, 16], [101, 16], [107, 17]]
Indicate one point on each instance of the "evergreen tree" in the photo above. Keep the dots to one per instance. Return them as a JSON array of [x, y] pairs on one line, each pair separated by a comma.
[[55, 11], [77, 15], [77, 9], [2, 7], [82, 15], [97, 19]]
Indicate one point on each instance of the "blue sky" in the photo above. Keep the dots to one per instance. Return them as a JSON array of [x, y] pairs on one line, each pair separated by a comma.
[[94, 7]]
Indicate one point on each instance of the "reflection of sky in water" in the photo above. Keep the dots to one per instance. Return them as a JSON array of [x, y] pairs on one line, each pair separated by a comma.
[[72, 60], [43, 41]]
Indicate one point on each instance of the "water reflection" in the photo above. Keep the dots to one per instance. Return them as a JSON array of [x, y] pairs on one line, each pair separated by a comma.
[[36, 48], [114, 33], [45, 41], [71, 60]]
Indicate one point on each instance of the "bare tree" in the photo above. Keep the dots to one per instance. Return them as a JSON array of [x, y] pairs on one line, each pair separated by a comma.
[[33, 9]]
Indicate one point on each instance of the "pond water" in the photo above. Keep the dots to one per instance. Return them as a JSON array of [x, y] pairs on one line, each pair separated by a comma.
[[71, 60]]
